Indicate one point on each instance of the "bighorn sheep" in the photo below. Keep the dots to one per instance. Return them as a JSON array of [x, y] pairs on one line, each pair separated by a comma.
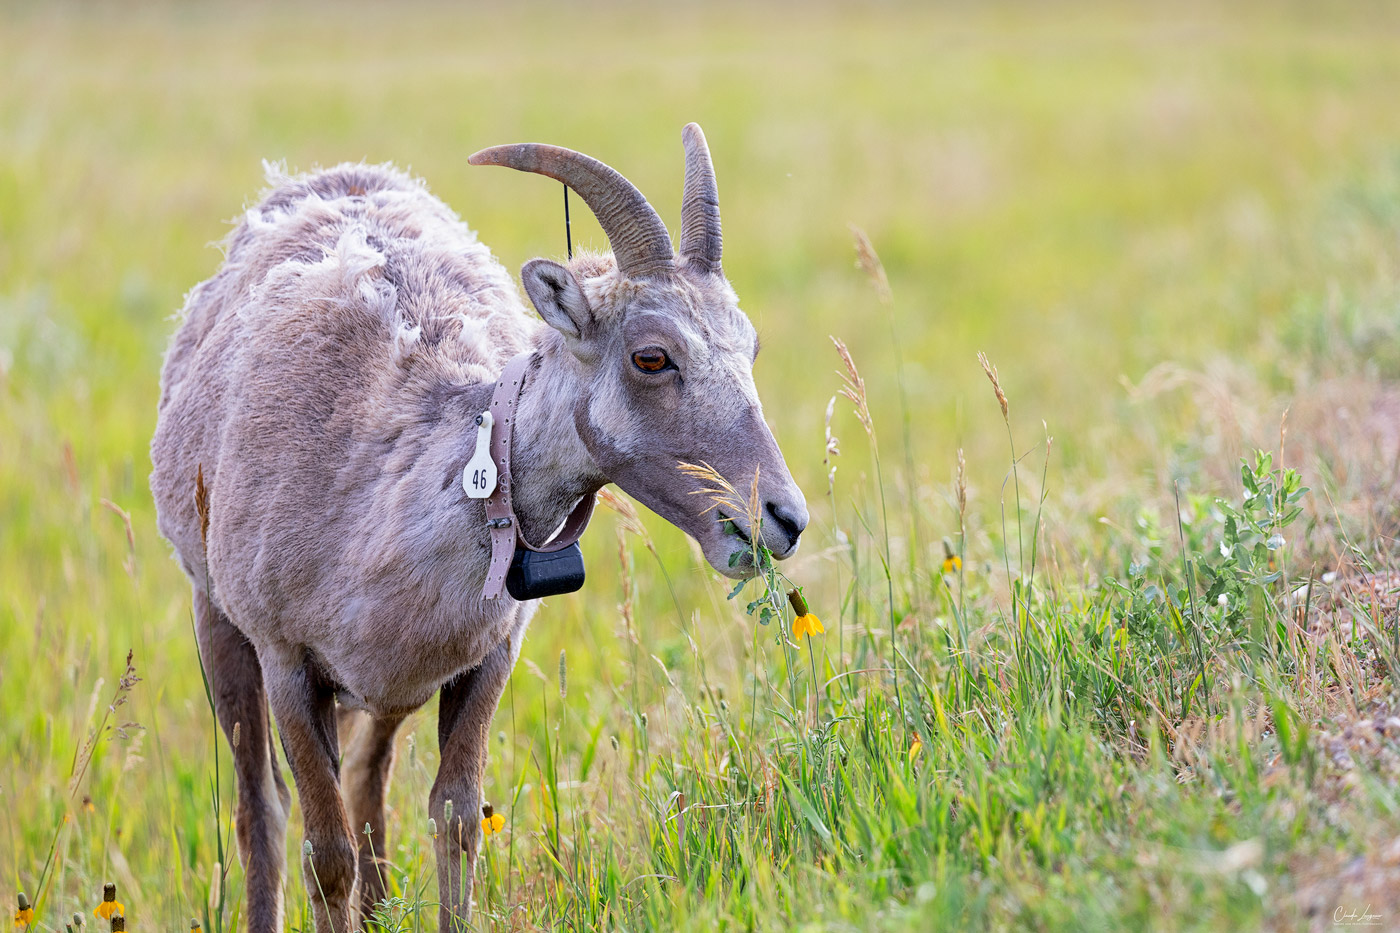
[[326, 384]]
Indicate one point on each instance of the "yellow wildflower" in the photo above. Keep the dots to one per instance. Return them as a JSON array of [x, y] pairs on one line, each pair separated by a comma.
[[805, 623], [110, 905], [952, 561], [914, 749], [491, 821], [24, 916]]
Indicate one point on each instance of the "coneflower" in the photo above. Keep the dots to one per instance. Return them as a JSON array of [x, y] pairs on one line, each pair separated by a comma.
[[491, 821], [110, 905], [24, 916], [952, 563], [805, 622]]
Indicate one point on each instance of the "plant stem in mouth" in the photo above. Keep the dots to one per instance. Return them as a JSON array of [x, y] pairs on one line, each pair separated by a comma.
[[732, 527]]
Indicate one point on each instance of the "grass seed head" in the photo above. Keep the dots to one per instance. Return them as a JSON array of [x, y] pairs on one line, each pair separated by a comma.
[[853, 388], [962, 484], [627, 514], [833, 448], [720, 491], [991, 372], [868, 261], [201, 506]]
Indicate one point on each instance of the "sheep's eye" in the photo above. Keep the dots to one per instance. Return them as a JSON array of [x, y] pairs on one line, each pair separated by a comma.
[[651, 360]]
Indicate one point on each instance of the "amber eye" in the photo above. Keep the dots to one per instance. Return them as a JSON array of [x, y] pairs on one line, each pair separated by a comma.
[[651, 360]]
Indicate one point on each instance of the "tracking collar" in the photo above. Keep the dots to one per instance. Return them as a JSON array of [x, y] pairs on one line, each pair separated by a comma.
[[524, 570]]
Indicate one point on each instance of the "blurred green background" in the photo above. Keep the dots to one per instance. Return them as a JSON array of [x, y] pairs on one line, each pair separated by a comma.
[[1080, 190]]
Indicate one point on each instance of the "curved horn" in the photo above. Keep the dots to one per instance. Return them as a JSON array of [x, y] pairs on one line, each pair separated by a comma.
[[701, 240], [639, 239]]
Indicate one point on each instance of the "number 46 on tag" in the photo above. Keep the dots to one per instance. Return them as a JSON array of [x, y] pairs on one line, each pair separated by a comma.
[[479, 476]]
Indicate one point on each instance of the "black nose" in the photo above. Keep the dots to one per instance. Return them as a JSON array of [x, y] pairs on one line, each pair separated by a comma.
[[791, 521]]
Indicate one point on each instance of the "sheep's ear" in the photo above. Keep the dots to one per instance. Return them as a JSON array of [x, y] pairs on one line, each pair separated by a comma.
[[557, 296]]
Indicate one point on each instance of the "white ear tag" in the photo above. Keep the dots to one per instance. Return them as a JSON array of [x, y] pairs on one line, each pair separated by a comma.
[[479, 477]]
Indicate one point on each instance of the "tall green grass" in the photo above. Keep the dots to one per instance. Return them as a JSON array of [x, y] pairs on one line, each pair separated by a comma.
[[1030, 706]]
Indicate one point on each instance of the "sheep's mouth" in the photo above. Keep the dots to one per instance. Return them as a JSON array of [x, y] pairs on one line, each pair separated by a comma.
[[730, 527], [737, 556]]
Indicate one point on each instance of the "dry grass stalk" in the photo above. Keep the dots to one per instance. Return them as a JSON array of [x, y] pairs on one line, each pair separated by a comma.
[[853, 388], [216, 881], [201, 506], [128, 680], [723, 493], [868, 261], [962, 485], [991, 372], [627, 512], [129, 563], [625, 561], [833, 448]]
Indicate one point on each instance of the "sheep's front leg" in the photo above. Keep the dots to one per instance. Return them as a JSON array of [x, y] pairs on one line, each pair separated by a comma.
[[465, 708], [303, 703], [368, 761]]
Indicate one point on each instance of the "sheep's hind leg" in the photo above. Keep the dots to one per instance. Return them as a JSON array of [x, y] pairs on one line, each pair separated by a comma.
[[236, 682], [368, 761], [303, 703]]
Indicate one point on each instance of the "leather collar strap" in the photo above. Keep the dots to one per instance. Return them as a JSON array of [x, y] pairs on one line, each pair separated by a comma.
[[500, 510]]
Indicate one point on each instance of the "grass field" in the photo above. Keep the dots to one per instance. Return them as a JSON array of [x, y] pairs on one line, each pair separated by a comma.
[[1080, 669]]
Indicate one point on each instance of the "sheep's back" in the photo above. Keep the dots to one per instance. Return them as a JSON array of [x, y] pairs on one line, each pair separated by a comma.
[[349, 298]]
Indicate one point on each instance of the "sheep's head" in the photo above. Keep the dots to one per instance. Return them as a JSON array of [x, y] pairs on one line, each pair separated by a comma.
[[664, 357]]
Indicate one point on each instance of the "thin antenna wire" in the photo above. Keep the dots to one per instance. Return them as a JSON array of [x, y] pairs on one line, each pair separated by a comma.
[[568, 230]]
